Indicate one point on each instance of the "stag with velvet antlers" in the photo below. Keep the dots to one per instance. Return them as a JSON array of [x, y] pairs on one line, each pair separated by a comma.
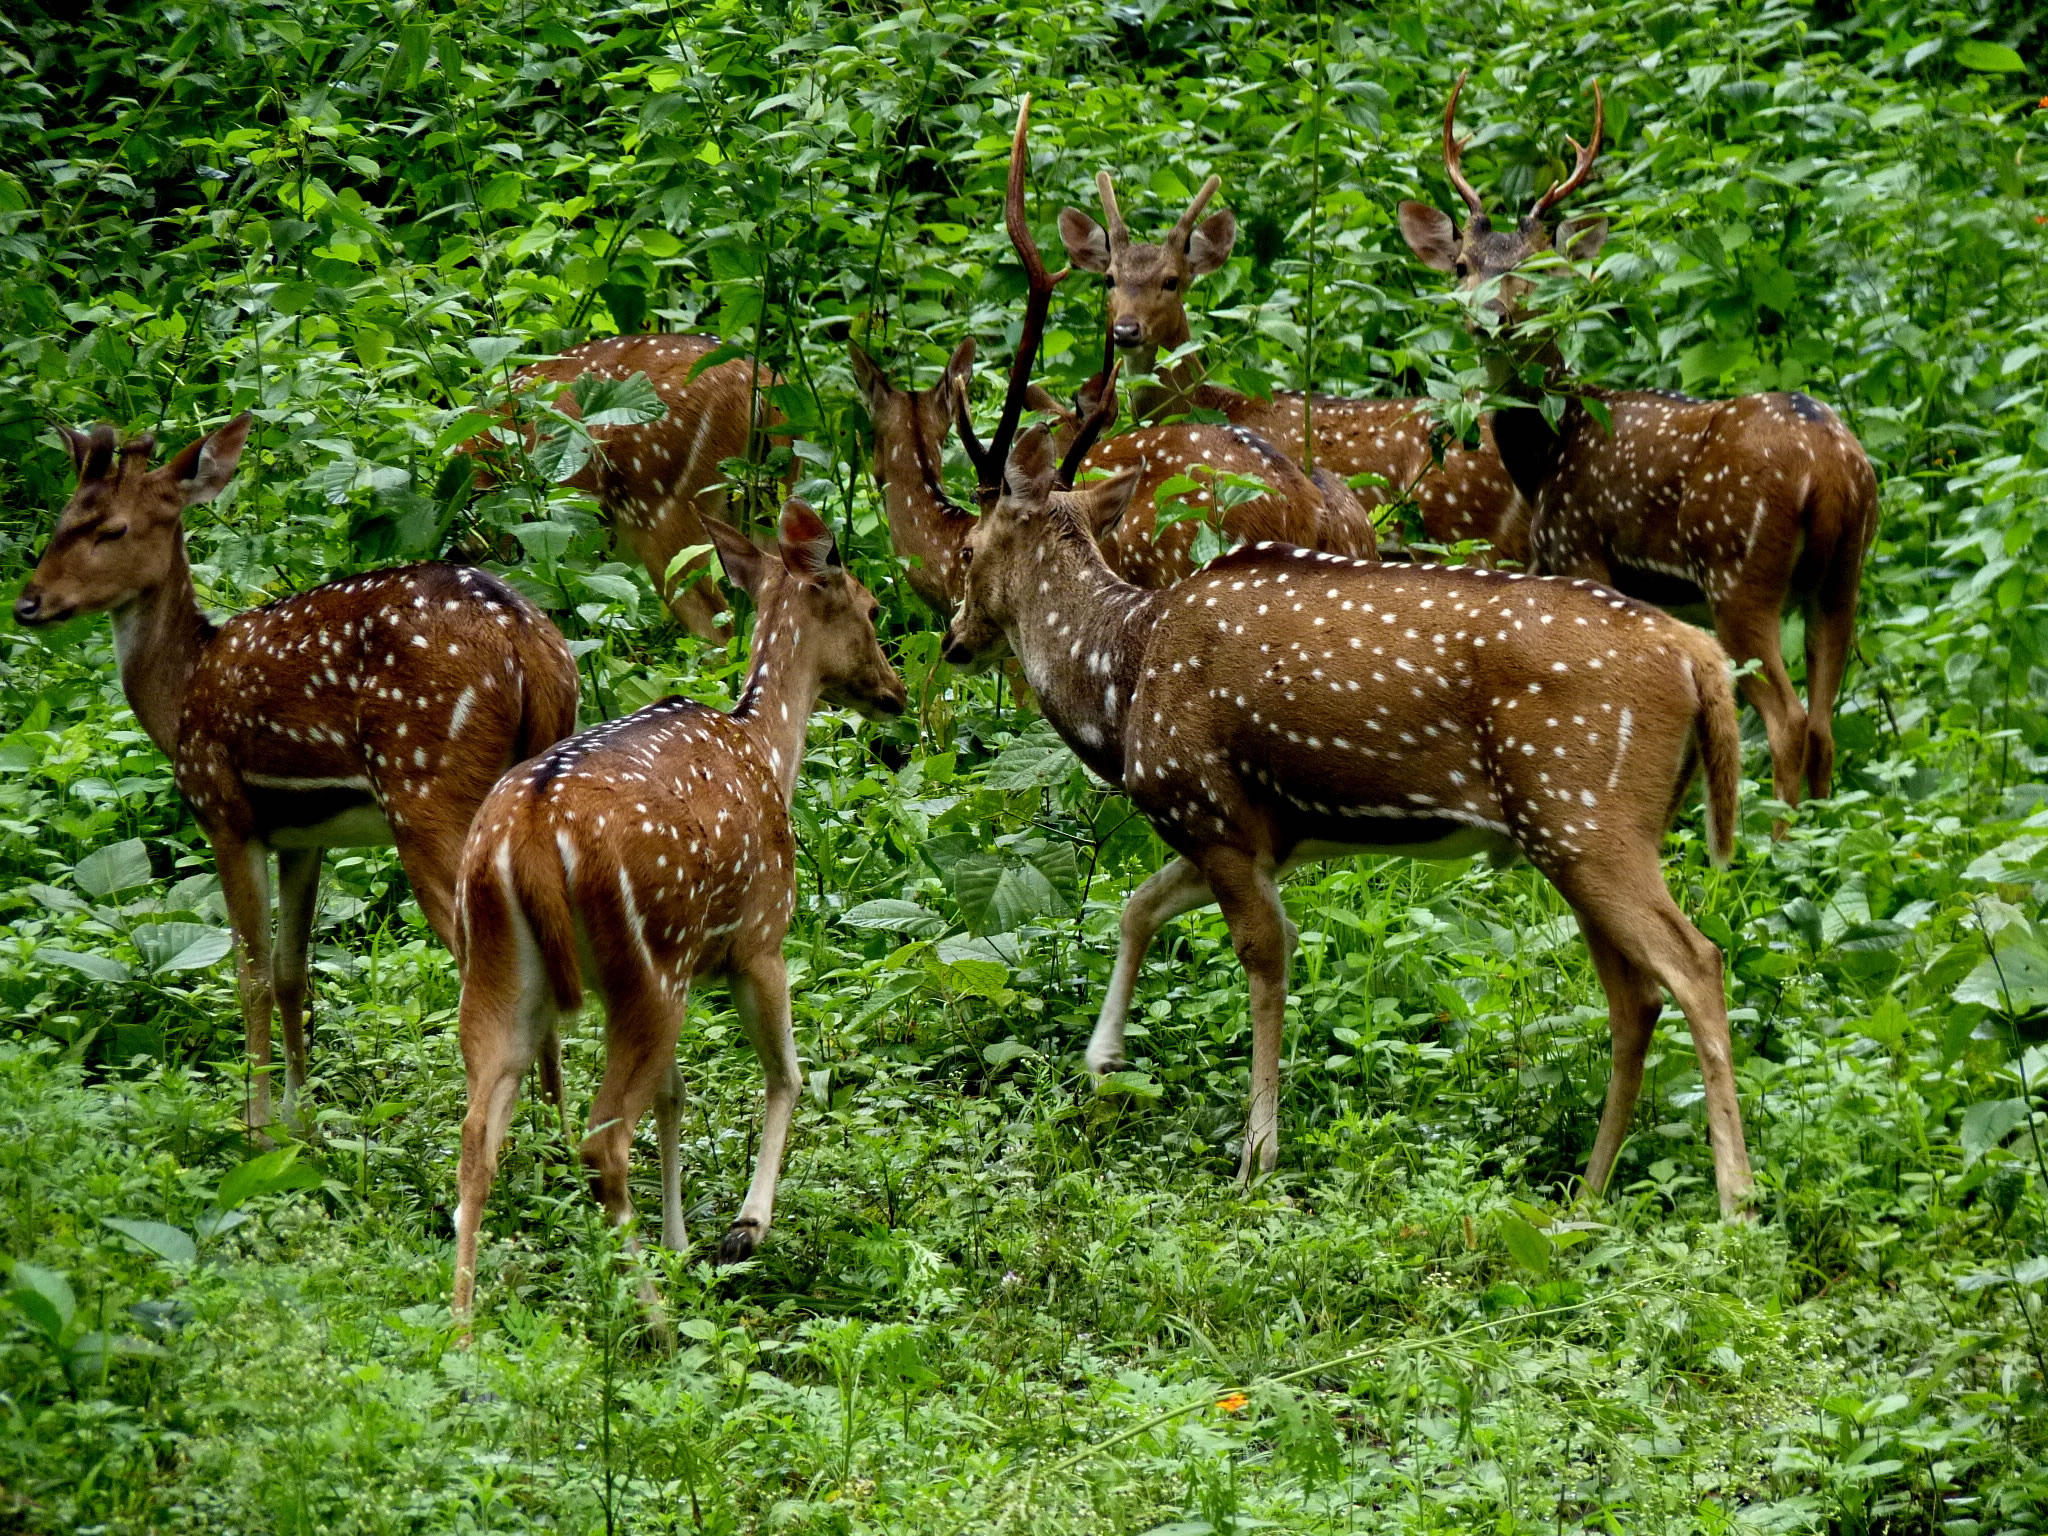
[[647, 853], [927, 527], [659, 480], [1465, 496], [1750, 506], [1285, 705], [379, 708]]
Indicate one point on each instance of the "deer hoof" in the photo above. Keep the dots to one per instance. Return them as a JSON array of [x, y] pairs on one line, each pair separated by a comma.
[[740, 1241], [1105, 1061]]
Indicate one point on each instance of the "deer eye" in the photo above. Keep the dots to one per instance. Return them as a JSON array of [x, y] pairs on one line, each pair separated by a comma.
[[1108, 281], [966, 556], [108, 534], [1170, 284]]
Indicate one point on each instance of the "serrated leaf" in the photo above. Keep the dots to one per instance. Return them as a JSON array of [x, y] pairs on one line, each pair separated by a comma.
[[890, 915], [490, 351], [158, 1237], [1029, 765], [117, 867], [546, 542], [604, 401]]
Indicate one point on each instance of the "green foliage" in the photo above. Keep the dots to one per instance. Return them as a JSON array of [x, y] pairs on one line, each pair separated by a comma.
[[999, 1296]]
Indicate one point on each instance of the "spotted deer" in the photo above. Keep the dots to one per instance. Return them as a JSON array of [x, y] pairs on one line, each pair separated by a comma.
[[646, 853], [927, 527], [659, 481], [1749, 506], [379, 708], [1285, 705], [1467, 496]]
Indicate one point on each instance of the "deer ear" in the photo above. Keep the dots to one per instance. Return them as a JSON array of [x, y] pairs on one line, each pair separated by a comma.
[[746, 564], [1209, 246], [1581, 239], [92, 453], [867, 374], [1101, 504], [1038, 398], [959, 373], [1027, 478], [808, 549], [1430, 235], [203, 469], [1087, 242]]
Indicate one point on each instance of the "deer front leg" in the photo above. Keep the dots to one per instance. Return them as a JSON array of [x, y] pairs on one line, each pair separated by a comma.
[[761, 994], [1177, 888], [245, 889], [1259, 932], [298, 891]]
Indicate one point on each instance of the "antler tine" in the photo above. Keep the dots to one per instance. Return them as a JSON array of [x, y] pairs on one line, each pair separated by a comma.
[[1454, 151], [1091, 428], [1586, 154], [1185, 224], [1113, 216], [976, 454], [1037, 304]]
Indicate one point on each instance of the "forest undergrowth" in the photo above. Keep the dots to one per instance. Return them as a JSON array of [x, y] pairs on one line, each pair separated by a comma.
[[999, 1296]]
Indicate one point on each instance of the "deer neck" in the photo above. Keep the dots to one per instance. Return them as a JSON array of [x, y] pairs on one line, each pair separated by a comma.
[[1080, 631], [780, 693], [922, 522], [1180, 384], [158, 638], [1530, 449]]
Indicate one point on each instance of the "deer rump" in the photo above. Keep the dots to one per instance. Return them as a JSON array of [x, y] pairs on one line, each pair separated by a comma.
[[1433, 711]]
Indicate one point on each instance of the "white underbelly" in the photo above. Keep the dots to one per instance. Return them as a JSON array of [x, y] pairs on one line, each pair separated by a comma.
[[360, 826], [1465, 843]]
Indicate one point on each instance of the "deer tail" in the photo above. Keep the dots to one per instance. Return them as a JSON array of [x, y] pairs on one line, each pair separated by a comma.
[[548, 694], [1720, 742], [540, 887]]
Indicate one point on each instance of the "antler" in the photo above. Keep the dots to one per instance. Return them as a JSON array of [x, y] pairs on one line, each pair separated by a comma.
[[1037, 304], [1453, 150], [1112, 216], [1586, 154], [1184, 226], [1091, 428]]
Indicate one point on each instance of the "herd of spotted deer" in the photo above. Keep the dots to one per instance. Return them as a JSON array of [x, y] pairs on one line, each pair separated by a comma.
[[1293, 699]]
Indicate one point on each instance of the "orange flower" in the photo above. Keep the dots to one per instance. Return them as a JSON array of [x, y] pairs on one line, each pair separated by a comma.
[[1231, 1402], [2044, 103]]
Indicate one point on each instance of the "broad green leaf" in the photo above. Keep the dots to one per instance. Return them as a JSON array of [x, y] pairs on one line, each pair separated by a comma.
[[169, 947], [546, 542], [1002, 1052], [889, 915], [99, 967], [490, 351], [1529, 1247], [44, 1297], [1989, 58], [117, 867], [1129, 1083], [158, 1237], [267, 1173], [1987, 1124], [609, 402]]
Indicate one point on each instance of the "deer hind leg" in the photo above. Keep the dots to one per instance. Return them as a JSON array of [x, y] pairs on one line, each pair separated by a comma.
[[1633, 998], [1750, 631], [1177, 888], [298, 897], [668, 1118], [1830, 632], [1625, 900], [432, 854], [507, 1013], [645, 1017], [761, 994], [1258, 931], [245, 888]]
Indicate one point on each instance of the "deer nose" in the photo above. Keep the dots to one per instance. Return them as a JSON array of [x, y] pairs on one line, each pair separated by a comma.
[[956, 654], [1126, 333], [28, 607]]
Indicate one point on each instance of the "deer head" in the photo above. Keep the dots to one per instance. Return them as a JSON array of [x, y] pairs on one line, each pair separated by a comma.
[[121, 533], [1478, 253], [1148, 284], [800, 587]]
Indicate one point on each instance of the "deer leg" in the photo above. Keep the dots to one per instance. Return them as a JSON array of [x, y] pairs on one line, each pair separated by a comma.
[[1627, 901], [1177, 888], [761, 993], [1632, 1005], [245, 888], [1830, 631], [551, 1078], [668, 1119], [1747, 633], [431, 860], [298, 897], [506, 1013], [1258, 931], [640, 1050]]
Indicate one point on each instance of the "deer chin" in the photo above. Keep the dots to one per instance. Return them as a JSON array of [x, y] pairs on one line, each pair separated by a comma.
[[963, 655]]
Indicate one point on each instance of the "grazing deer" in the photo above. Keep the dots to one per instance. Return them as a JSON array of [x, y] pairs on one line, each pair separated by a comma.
[[1286, 705], [647, 852], [1747, 505], [379, 708], [927, 527], [659, 481], [1468, 496]]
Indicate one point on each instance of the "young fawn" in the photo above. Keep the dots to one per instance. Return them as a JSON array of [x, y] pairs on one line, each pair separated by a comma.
[[643, 854], [379, 708], [1750, 506], [1285, 705]]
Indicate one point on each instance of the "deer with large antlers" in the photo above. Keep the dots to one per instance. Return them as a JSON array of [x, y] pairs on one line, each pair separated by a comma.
[[1242, 486], [379, 708], [1749, 506], [1286, 705], [1466, 496], [659, 480], [647, 853]]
